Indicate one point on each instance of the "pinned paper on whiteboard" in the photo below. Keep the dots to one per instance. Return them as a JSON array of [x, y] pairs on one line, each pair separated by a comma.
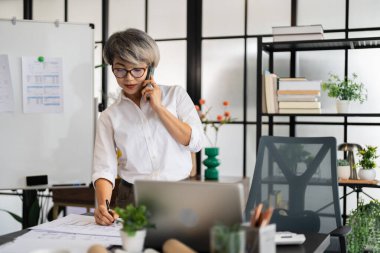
[[6, 91], [42, 84]]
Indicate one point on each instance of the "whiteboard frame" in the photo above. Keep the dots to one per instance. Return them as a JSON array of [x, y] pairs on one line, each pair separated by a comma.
[[59, 145]]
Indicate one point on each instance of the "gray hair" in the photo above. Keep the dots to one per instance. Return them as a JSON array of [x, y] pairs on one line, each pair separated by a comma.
[[133, 46]]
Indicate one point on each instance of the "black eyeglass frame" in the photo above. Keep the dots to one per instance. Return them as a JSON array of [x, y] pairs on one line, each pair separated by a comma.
[[128, 71]]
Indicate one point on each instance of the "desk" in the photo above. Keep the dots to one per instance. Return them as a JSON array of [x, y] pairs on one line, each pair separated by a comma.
[[80, 197], [314, 243], [356, 186], [85, 196]]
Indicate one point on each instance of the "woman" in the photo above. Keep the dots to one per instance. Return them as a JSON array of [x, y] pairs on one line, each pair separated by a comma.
[[149, 132]]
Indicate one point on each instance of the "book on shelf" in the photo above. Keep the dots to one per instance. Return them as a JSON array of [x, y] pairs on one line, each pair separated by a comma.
[[300, 85], [263, 97], [301, 29], [298, 37], [270, 86], [299, 92], [300, 110], [292, 79], [300, 105], [298, 98]]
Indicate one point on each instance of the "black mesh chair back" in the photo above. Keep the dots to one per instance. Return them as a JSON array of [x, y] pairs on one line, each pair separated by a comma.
[[297, 177]]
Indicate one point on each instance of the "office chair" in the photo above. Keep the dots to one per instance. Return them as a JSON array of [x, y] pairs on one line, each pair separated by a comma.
[[298, 178]]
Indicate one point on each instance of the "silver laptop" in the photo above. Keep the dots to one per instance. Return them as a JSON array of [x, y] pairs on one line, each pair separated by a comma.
[[186, 210]]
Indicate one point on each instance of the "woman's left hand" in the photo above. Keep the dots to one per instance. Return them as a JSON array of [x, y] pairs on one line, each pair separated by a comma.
[[152, 93]]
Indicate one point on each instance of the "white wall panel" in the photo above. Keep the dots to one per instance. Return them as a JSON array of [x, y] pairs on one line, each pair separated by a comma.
[[87, 11], [167, 18], [251, 150], [263, 14], [330, 14], [251, 79], [11, 8], [125, 14], [48, 10], [223, 17], [230, 143], [365, 63], [364, 13], [222, 74], [172, 67]]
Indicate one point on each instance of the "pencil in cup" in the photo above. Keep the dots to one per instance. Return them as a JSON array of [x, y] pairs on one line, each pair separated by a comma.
[[260, 218]]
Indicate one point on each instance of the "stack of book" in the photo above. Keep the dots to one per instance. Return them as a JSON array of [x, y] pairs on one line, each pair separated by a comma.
[[299, 95], [295, 33]]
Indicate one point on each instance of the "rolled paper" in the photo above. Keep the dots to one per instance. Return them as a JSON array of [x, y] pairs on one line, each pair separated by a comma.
[[97, 248], [175, 246]]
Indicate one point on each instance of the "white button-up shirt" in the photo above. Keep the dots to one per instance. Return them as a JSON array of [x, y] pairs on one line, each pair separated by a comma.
[[147, 149]]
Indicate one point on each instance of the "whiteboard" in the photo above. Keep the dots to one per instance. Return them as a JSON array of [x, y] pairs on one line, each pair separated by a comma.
[[59, 145]]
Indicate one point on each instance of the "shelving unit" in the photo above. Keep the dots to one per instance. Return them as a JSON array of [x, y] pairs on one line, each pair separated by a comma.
[[311, 45]]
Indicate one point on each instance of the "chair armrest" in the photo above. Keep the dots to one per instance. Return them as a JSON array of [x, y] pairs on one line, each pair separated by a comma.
[[341, 231]]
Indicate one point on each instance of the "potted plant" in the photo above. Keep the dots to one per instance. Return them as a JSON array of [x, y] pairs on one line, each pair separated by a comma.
[[344, 91], [365, 224], [367, 162], [135, 220], [343, 169]]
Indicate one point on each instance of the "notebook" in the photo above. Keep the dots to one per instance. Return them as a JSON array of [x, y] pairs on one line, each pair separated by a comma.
[[186, 210]]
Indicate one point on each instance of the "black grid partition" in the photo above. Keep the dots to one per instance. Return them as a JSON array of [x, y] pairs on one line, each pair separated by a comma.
[[195, 39]]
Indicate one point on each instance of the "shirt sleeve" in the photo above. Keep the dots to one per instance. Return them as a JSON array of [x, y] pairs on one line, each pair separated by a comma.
[[187, 113], [105, 160]]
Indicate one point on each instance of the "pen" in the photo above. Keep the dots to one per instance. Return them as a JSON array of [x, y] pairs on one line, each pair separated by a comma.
[[108, 206]]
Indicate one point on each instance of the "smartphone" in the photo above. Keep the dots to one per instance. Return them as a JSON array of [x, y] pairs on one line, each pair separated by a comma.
[[148, 76]]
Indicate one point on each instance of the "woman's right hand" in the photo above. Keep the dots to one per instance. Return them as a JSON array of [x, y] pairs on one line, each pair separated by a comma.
[[103, 217]]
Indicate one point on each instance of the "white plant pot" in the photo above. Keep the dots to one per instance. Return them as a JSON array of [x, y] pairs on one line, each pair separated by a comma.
[[133, 244], [344, 172], [342, 106], [367, 174]]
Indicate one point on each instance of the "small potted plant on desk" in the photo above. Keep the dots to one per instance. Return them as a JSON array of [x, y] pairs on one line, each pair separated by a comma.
[[344, 91], [135, 220], [343, 169], [367, 163]]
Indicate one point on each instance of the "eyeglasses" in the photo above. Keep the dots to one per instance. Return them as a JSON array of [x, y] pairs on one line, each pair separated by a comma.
[[135, 72]]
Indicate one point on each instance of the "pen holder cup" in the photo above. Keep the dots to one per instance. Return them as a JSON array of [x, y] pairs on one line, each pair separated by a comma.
[[261, 240]]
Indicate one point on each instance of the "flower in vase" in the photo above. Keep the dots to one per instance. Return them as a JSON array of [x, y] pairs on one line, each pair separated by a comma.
[[221, 119]]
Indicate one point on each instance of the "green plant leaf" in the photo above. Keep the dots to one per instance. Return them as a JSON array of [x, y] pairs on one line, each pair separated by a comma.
[[346, 89], [365, 225], [134, 218], [15, 216]]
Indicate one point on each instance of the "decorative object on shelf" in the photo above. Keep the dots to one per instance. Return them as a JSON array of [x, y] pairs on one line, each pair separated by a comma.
[[365, 224], [344, 169], [135, 220], [367, 162], [212, 162], [345, 91], [348, 149]]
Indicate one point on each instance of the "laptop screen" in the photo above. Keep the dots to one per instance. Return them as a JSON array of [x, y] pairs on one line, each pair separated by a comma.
[[186, 210]]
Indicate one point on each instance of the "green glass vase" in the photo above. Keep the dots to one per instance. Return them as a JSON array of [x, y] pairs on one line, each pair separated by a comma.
[[212, 163]]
